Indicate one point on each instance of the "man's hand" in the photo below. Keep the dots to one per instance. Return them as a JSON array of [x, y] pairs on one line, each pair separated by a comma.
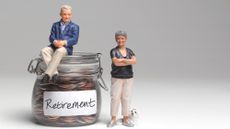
[[58, 43]]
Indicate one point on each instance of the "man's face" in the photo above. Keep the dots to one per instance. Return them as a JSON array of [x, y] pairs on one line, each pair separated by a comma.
[[121, 40], [66, 15]]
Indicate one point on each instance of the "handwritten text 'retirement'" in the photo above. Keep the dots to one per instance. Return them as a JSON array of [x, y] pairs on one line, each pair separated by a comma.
[[69, 105]]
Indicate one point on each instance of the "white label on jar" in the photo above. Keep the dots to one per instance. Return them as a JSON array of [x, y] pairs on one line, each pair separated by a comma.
[[70, 103]]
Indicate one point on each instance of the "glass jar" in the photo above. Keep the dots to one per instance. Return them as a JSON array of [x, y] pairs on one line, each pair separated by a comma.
[[74, 98]]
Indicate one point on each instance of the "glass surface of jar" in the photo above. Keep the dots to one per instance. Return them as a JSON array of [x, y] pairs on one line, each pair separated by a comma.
[[74, 98]]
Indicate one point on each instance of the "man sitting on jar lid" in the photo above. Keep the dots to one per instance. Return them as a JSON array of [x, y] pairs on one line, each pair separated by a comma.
[[64, 34]]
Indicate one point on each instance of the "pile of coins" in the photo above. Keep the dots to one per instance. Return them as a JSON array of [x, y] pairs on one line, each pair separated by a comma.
[[64, 83]]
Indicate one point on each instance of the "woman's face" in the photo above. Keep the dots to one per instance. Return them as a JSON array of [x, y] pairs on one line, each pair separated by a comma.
[[121, 40]]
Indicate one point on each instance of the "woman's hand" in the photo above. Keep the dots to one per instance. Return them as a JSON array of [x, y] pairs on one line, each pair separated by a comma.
[[124, 62]]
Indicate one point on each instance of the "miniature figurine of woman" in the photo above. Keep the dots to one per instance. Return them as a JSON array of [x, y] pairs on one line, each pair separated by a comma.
[[122, 79]]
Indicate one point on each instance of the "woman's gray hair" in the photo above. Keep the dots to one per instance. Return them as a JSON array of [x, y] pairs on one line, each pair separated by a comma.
[[65, 7], [121, 33]]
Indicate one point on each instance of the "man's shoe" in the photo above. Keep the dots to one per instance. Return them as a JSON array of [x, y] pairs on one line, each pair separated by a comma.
[[45, 79], [55, 78]]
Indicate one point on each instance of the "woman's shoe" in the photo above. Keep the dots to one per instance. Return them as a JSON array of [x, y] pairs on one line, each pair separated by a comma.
[[128, 124], [111, 124]]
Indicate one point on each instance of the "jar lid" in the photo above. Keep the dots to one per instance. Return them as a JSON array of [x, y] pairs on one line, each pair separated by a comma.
[[80, 58]]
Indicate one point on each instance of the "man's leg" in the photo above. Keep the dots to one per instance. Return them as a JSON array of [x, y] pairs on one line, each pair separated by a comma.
[[46, 54], [53, 64]]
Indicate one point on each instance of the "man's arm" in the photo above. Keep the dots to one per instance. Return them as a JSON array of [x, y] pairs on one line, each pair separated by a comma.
[[73, 39], [53, 37]]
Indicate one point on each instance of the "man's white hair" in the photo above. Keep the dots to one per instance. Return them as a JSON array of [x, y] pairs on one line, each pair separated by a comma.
[[66, 7]]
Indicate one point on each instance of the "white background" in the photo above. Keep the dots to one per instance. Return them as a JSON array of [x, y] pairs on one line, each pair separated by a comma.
[[182, 47]]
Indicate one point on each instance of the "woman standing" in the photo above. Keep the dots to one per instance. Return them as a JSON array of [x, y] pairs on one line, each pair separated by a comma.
[[122, 79]]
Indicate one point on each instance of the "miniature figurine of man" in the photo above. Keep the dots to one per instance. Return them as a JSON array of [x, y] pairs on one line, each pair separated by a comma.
[[64, 34], [122, 79]]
